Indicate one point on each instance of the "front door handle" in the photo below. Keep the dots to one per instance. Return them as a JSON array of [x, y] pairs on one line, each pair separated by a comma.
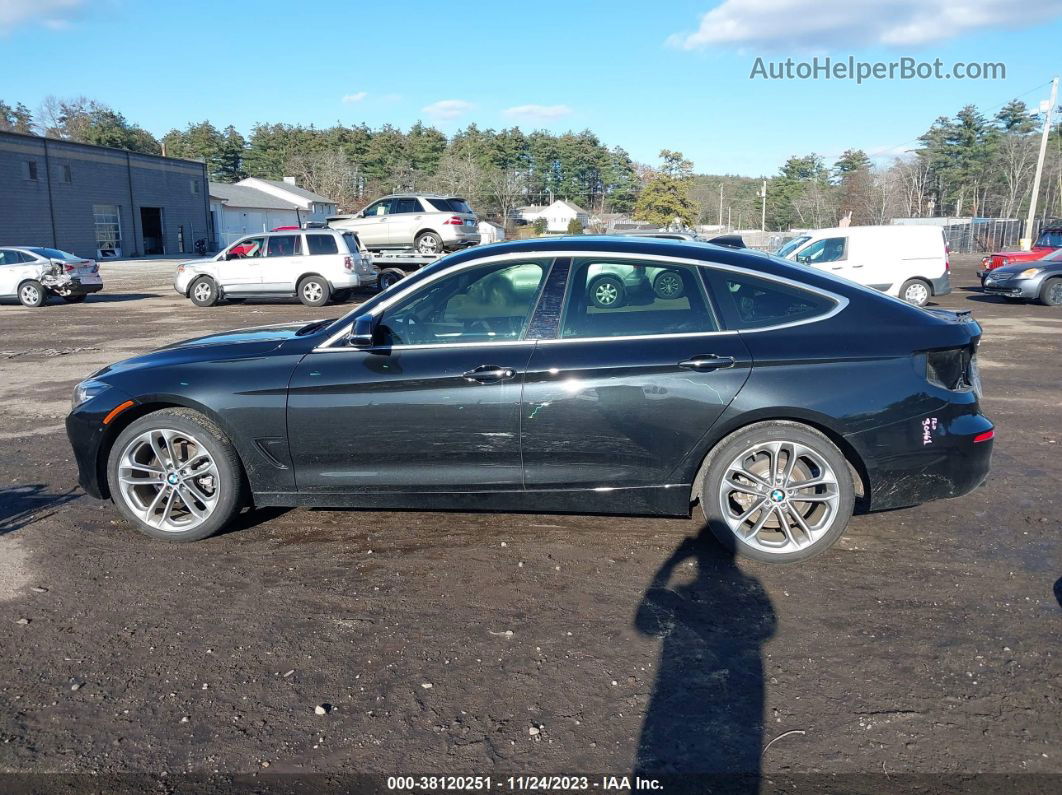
[[489, 374], [707, 361]]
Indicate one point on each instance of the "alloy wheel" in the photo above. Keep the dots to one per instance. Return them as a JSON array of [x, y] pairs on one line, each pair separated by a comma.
[[605, 294], [312, 292], [428, 245], [30, 294], [169, 480], [779, 497], [668, 285], [202, 291], [1054, 295]]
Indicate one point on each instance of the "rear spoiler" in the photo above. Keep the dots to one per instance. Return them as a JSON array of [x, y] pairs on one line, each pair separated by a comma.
[[730, 241]]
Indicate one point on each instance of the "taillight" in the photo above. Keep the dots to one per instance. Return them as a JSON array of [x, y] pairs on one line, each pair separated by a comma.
[[69, 268], [454, 220], [984, 437], [348, 262]]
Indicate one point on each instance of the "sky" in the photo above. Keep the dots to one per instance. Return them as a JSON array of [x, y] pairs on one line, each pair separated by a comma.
[[672, 75]]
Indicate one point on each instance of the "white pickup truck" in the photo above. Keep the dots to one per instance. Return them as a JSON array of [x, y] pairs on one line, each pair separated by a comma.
[[33, 274], [316, 265]]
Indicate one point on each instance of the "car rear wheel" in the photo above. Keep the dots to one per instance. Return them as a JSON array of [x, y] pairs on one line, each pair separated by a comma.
[[314, 291], [428, 243], [915, 291], [32, 293], [777, 492], [176, 476], [389, 277], [1051, 293], [668, 285], [607, 292], [203, 291]]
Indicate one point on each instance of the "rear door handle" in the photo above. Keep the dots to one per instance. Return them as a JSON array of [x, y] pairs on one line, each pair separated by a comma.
[[707, 361], [489, 374]]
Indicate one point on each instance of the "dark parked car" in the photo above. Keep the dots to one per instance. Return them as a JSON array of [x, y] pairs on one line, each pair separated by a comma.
[[1038, 280], [777, 396]]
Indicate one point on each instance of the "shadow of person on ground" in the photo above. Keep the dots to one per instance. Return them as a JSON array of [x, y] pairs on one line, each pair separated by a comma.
[[23, 505], [704, 723]]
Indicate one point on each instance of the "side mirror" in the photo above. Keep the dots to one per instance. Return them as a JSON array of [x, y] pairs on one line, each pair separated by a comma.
[[803, 259], [361, 335]]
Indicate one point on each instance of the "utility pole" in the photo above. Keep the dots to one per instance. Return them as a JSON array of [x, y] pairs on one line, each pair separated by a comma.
[[1026, 242], [720, 202], [763, 208], [729, 227]]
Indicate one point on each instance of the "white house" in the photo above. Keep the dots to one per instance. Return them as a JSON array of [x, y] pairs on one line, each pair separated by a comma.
[[312, 206], [557, 215]]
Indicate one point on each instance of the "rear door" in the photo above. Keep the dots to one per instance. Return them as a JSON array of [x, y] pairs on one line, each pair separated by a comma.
[[283, 263], [624, 391]]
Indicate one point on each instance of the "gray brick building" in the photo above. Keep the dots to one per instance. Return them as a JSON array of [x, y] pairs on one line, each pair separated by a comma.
[[99, 202]]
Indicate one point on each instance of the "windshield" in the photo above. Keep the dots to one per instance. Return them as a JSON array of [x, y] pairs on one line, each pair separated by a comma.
[[54, 253], [788, 248]]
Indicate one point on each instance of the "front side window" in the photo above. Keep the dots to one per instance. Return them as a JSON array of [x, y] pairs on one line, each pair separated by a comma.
[[382, 207], [749, 302], [321, 244], [624, 298], [830, 249], [489, 303], [284, 246], [248, 248]]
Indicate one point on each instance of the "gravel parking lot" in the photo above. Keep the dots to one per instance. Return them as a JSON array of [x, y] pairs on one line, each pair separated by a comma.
[[927, 641]]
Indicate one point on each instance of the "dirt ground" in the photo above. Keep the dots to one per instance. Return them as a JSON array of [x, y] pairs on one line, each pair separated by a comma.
[[927, 641]]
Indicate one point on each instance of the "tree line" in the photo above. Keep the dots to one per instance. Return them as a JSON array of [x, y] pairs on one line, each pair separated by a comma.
[[968, 164]]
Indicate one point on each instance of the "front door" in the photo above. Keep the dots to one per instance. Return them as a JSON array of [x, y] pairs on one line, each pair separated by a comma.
[[241, 270], [629, 386], [374, 226], [434, 405]]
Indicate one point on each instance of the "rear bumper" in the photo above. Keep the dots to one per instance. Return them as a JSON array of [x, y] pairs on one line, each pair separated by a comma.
[[941, 286], [76, 287], [926, 458]]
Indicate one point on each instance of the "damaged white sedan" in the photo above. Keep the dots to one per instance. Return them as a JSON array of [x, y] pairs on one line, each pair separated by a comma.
[[32, 274]]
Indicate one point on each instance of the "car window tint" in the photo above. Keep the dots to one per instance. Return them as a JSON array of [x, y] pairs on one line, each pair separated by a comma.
[[284, 246], [442, 205], [751, 302], [407, 206], [459, 205], [9, 257], [830, 249], [380, 208], [484, 304], [251, 248], [629, 298], [321, 244]]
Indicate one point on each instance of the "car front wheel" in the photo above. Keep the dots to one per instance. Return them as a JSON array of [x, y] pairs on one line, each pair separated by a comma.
[[777, 492], [176, 476], [203, 291], [1051, 293]]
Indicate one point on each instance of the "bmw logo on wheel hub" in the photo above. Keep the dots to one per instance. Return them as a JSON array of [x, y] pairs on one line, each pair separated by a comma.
[[778, 495], [172, 478]]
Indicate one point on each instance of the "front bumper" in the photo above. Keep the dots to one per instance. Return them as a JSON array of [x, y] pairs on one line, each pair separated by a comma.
[[1013, 288], [88, 435]]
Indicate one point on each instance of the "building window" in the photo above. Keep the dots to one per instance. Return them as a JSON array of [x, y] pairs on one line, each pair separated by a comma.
[[108, 230], [67, 176], [31, 170], [195, 187]]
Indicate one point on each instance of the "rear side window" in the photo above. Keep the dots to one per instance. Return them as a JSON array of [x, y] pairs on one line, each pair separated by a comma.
[[284, 246], [630, 298], [748, 302], [321, 244], [408, 205]]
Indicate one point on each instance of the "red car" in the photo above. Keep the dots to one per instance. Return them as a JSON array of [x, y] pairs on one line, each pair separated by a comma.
[[1050, 239]]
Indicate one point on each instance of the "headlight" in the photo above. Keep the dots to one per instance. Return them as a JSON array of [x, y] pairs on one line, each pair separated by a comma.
[[87, 390], [180, 268], [1028, 273]]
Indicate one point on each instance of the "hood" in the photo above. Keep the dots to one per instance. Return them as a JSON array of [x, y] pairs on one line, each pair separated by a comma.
[[1025, 264], [1034, 253], [274, 333]]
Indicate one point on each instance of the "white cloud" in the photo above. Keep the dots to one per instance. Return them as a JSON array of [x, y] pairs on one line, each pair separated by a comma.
[[357, 96], [538, 112], [446, 109], [55, 14], [831, 24]]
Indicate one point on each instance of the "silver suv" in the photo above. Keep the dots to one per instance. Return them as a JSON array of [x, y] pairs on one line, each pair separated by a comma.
[[430, 223]]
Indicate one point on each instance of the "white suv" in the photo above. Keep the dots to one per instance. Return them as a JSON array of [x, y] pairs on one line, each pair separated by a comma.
[[317, 265]]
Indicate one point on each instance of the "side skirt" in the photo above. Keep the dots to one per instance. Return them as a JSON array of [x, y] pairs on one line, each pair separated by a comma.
[[671, 500]]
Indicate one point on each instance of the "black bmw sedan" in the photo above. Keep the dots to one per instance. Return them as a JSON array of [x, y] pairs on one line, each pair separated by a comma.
[[583, 375]]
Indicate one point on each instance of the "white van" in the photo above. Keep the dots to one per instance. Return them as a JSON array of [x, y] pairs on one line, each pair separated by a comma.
[[908, 262]]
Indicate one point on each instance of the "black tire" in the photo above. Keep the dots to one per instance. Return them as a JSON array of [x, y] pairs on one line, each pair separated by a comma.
[[916, 292], [390, 277], [75, 299], [314, 290], [428, 243], [341, 296], [231, 482], [203, 291], [1051, 292], [668, 285], [719, 507], [32, 293], [607, 292]]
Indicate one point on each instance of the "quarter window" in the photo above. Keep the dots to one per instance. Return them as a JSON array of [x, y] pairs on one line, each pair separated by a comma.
[[490, 303], [748, 302], [624, 298], [321, 244], [284, 246]]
